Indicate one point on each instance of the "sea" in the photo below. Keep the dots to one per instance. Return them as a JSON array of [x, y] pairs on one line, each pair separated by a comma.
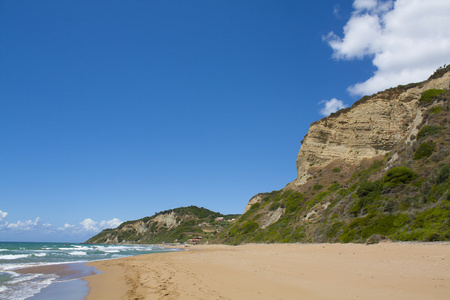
[[62, 264]]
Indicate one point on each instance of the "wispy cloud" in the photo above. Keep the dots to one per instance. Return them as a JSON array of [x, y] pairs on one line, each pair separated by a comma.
[[27, 225], [337, 11], [66, 227], [110, 224], [3, 215], [86, 226], [331, 106], [91, 225], [406, 39]]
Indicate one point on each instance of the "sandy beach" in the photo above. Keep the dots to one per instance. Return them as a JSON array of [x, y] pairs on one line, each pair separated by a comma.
[[288, 271]]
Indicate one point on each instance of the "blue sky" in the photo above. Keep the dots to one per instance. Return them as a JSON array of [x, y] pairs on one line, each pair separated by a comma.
[[114, 110]]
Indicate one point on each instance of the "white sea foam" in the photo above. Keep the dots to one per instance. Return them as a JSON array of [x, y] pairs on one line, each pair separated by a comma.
[[143, 249], [25, 286], [82, 247], [77, 248], [3, 288], [7, 267], [22, 278], [78, 253], [13, 256], [11, 267], [40, 254], [111, 251], [66, 249]]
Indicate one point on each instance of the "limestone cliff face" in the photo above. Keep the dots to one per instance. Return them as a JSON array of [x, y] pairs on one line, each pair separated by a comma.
[[371, 127], [167, 220]]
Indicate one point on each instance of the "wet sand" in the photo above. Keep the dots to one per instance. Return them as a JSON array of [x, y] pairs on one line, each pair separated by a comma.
[[65, 272], [69, 285], [288, 271]]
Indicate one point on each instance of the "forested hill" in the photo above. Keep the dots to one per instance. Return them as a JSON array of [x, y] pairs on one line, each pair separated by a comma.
[[174, 225]]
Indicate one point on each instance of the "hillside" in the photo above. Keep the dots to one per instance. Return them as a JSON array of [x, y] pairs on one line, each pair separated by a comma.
[[174, 225], [379, 169]]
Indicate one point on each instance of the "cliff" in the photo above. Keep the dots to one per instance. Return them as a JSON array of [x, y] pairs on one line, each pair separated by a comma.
[[379, 169], [372, 127]]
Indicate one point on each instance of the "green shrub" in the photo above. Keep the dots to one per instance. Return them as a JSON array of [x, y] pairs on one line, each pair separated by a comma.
[[361, 204], [433, 218], [334, 187], [348, 236], [444, 173], [320, 196], [428, 95], [362, 228], [248, 227], [428, 130], [366, 188], [334, 229], [397, 176], [430, 225], [425, 149], [336, 170], [385, 225], [435, 110], [364, 174], [317, 187], [275, 205], [255, 206], [292, 206], [368, 193]]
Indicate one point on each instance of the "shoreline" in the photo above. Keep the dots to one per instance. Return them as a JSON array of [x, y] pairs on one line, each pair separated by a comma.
[[55, 270], [279, 271], [65, 271], [69, 282]]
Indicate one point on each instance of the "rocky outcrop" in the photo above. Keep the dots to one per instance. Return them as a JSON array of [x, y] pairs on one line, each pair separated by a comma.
[[372, 127], [167, 220], [271, 217], [255, 199]]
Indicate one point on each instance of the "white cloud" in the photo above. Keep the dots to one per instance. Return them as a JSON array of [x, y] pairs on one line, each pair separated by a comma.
[[111, 223], [66, 227], [91, 225], [25, 225], [372, 5], [3, 215], [331, 106], [407, 40], [87, 226], [337, 11], [364, 4]]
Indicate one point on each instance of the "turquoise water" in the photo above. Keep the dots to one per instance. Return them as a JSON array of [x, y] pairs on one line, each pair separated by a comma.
[[14, 256]]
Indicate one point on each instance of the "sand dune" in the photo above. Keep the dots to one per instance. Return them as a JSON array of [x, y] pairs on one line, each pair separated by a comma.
[[288, 271]]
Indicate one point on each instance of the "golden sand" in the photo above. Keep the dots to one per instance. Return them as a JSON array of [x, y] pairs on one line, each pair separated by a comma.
[[280, 271]]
